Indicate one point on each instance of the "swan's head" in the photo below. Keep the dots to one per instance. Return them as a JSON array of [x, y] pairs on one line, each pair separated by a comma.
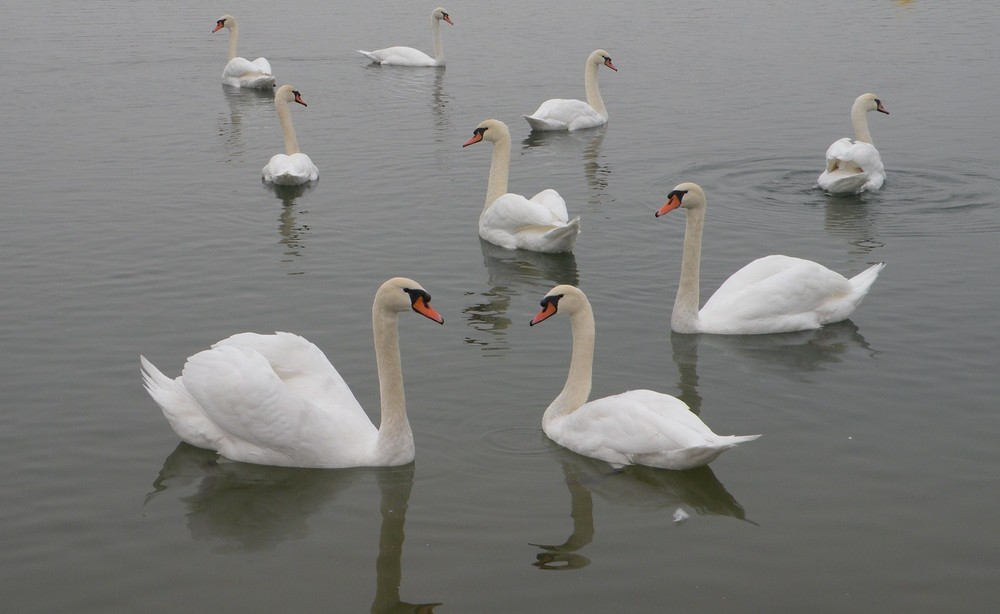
[[400, 294], [600, 56], [688, 195], [289, 94], [491, 130], [565, 297], [441, 15], [226, 21], [870, 102]]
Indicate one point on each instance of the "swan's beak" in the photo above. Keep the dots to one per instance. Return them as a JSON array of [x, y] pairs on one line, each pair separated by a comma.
[[448, 19], [607, 62], [880, 108], [426, 310], [218, 27], [672, 203], [478, 136], [298, 99], [546, 312]]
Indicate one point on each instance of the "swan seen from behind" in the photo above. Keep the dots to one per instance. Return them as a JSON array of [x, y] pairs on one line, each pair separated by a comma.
[[638, 427], [539, 224], [292, 167], [854, 166], [240, 72], [408, 56], [571, 114], [277, 400], [773, 294]]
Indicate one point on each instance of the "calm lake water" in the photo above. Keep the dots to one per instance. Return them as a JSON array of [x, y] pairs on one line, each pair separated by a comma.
[[135, 222]]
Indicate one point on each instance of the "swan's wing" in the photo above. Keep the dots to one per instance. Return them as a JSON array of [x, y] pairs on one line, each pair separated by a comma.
[[295, 169], [265, 419], [512, 212], [262, 65], [566, 111], [777, 293], [240, 67], [399, 56], [554, 202], [854, 156]]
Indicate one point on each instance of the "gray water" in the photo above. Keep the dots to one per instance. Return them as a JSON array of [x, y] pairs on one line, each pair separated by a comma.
[[134, 221]]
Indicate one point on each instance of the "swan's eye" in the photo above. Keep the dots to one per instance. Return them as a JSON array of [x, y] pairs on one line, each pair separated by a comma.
[[416, 294], [296, 93], [221, 22], [479, 131], [445, 15], [552, 300], [679, 194]]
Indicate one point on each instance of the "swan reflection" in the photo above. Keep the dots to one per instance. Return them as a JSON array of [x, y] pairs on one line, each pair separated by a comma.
[[255, 507], [254, 104], [512, 273], [291, 232], [633, 486], [852, 219], [595, 171]]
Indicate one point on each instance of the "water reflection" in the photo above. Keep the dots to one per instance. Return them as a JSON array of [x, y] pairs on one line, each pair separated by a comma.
[[512, 273], [255, 507], [634, 486], [241, 102], [595, 171], [291, 231], [851, 218]]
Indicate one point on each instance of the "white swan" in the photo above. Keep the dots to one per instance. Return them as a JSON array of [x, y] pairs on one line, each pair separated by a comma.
[[408, 56], [277, 400], [638, 427], [292, 167], [773, 294], [539, 224], [854, 166], [568, 114], [240, 72]]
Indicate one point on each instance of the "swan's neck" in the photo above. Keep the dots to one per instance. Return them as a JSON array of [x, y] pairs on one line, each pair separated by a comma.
[[285, 117], [234, 38], [685, 314], [395, 438], [438, 47], [499, 171], [859, 118], [594, 98], [578, 382]]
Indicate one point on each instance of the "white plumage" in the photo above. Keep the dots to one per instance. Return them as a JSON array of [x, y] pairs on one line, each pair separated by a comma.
[[572, 114], [292, 167], [408, 56], [854, 165], [639, 427], [540, 223], [240, 72]]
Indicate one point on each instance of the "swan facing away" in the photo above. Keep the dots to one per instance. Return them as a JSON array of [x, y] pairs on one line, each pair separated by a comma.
[[292, 167], [638, 427], [773, 294], [538, 224], [277, 400], [568, 114], [408, 56], [854, 166], [240, 72]]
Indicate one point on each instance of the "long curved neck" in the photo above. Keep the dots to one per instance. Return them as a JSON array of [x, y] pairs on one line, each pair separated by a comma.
[[685, 315], [394, 432], [234, 39], [438, 47], [285, 117], [581, 365], [594, 98], [499, 171], [859, 119]]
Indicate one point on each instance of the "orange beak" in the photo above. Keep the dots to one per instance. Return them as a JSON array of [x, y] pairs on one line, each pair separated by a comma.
[[298, 99], [448, 19], [607, 62], [478, 136], [427, 311], [218, 27], [672, 203], [546, 312], [880, 108]]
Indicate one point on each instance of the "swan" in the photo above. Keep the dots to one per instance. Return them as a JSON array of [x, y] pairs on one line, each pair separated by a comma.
[[538, 224], [277, 400], [773, 294], [292, 167], [240, 72], [638, 427], [855, 166], [408, 56], [566, 114]]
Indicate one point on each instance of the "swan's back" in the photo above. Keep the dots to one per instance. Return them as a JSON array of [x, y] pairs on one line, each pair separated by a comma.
[[240, 72], [565, 114], [399, 56], [295, 169], [852, 166]]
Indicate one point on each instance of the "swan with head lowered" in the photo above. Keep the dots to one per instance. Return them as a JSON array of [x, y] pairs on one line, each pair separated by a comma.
[[408, 56], [854, 166], [277, 400], [538, 224], [773, 294], [570, 114], [240, 72], [638, 427], [292, 167]]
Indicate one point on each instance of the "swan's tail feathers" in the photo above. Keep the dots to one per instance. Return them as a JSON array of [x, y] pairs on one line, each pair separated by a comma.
[[562, 238], [370, 55], [734, 440], [862, 282], [179, 407], [843, 181], [540, 123]]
